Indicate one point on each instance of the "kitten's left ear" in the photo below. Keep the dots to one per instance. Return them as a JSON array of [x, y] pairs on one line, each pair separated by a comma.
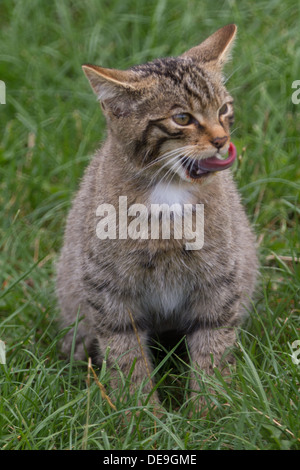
[[215, 50]]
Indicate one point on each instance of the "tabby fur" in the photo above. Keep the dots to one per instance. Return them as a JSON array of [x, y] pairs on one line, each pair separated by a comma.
[[203, 294]]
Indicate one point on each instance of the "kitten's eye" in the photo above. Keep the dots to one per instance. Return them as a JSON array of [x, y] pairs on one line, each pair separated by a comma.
[[223, 109], [183, 119]]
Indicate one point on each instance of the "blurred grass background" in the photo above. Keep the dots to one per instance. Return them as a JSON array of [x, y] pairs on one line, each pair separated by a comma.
[[50, 127]]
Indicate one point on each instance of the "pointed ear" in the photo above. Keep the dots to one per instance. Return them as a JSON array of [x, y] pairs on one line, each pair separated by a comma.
[[215, 50], [116, 89], [108, 83]]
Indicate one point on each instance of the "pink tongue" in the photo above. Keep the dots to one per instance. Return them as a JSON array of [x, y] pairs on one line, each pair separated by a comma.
[[215, 164]]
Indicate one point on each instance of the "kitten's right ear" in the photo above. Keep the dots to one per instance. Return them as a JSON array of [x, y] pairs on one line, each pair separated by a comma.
[[107, 83], [113, 87]]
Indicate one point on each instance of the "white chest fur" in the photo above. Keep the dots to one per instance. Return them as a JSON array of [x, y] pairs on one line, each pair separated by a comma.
[[167, 294], [172, 193]]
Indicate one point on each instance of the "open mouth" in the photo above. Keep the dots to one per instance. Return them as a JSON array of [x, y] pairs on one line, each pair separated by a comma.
[[197, 168]]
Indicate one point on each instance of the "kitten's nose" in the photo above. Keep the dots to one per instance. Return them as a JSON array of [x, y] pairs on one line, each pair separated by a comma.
[[219, 141]]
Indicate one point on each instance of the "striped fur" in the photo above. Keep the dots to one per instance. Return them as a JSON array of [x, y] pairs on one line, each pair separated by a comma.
[[203, 294]]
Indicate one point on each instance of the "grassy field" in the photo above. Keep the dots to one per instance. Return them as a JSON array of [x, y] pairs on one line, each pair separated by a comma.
[[50, 126]]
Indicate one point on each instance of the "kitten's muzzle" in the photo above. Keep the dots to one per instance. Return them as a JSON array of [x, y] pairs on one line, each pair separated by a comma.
[[197, 168]]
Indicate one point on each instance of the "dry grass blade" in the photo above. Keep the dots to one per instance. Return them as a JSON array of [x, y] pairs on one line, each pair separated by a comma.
[[283, 258], [102, 388], [85, 435], [141, 348], [144, 358], [276, 423]]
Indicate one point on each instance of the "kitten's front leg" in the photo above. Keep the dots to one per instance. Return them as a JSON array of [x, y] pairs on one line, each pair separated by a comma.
[[207, 348], [124, 350]]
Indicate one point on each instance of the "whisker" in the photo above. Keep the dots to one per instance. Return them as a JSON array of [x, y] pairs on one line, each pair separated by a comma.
[[167, 155], [172, 159], [155, 176], [169, 161], [173, 170], [234, 130]]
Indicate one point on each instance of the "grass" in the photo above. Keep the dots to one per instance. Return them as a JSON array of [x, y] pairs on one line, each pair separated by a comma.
[[50, 127]]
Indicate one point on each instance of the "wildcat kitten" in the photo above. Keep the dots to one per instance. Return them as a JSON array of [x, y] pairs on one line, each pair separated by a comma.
[[168, 124]]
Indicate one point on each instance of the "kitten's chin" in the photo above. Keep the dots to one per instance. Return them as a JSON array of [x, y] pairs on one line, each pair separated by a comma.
[[189, 177], [203, 179]]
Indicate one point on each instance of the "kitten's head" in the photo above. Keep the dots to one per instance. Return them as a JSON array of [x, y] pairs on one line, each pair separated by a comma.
[[172, 116]]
